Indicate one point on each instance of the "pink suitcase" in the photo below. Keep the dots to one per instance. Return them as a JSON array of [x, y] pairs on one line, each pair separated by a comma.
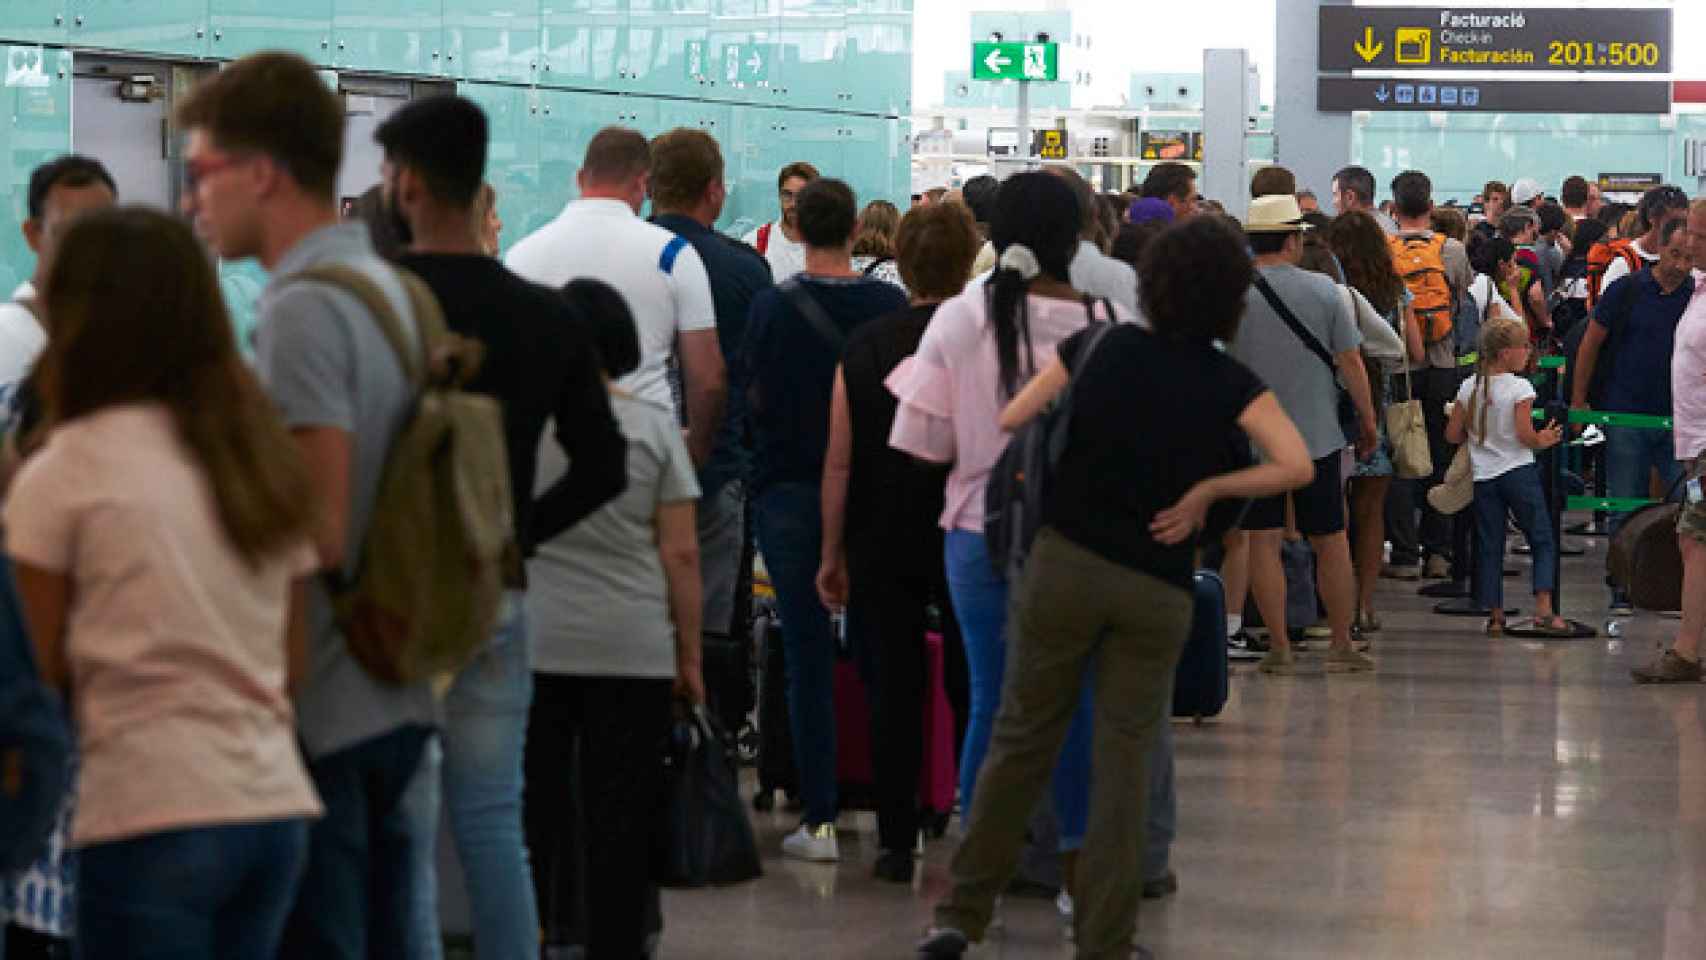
[[940, 776], [854, 770]]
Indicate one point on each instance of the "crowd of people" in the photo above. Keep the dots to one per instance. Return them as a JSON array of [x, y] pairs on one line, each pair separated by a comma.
[[834, 392]]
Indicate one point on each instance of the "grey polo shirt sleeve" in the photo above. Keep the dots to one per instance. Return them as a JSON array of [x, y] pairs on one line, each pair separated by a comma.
[[1344, 334], [304, 354]]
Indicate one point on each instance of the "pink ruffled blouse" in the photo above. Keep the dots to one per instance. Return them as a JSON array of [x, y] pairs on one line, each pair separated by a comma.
[[951, 398]]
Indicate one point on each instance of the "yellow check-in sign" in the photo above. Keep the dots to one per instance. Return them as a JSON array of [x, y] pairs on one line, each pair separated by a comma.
[[1415, 45]]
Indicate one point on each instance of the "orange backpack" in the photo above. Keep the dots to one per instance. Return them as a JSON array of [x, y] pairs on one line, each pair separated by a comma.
[[1421, 262], [1600, 259]]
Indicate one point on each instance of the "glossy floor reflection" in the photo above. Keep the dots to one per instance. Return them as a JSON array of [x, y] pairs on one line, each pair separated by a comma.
[[1476, 798]]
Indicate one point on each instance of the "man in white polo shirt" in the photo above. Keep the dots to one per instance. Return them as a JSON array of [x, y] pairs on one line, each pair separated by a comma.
[[601, 237], [780, 243]]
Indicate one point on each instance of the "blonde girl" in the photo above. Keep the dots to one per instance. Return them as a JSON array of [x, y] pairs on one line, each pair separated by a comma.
[[1494, 414]]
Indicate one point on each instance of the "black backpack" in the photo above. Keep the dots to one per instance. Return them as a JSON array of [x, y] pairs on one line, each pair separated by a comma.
[[35, 741], [1568, 311], [1019, 482]]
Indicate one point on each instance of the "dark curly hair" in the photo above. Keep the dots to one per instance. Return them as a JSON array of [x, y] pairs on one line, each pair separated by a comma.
[[1193, 280], [1360, 244]]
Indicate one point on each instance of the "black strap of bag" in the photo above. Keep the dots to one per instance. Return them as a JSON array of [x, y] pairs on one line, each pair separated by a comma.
[[814, 314], [1347, 412]]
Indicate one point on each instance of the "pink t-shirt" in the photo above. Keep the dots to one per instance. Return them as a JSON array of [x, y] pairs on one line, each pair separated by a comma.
[[950, 392], [176, 648], [1688, 377]]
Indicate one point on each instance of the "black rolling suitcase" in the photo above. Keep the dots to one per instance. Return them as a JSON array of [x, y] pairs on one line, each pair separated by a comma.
[[1200, 686], [775, 738]]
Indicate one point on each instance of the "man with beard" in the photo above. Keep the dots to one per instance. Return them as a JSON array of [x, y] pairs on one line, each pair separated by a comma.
[[780, 243]]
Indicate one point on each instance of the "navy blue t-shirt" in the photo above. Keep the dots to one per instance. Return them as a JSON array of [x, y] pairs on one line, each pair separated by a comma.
[[1640, 321], [737, 275], [788, 368]]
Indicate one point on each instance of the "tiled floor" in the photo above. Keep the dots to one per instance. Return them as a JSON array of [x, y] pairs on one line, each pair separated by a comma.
[[1497, 799]]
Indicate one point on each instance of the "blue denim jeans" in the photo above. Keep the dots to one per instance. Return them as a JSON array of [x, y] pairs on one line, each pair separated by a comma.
[[217, 892], [1519, 494], [789, 534], [980, 603], [1630, 454], [359, 894], [421, 805], [484, 736]]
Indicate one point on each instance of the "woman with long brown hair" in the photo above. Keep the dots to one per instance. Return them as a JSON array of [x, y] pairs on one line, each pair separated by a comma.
[[1358, 241], [874, 242], [160, 536]]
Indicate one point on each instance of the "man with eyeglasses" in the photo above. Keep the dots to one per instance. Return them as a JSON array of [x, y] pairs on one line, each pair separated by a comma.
[[780, 243]]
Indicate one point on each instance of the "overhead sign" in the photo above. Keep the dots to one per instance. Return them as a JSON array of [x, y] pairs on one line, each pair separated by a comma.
[[1051, 144], [1015, 61], [1165, 145], [695, 60], [1492, 96], [1496, 38]]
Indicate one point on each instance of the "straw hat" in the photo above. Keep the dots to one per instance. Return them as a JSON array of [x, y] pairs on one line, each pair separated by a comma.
[[1276, 213]]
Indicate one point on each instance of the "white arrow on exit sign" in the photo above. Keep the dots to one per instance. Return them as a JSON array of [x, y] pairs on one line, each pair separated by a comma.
[[995, 61]]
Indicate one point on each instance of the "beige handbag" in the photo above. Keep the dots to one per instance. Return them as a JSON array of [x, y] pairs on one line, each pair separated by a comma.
[[1458, 490], [1407, 431]]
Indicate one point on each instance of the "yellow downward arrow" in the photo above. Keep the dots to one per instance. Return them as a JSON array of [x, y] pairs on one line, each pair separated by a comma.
[[1368, 49]]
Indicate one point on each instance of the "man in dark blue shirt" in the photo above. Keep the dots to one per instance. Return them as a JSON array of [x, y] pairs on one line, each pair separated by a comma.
[[794, 342], [1631, 336], [688, 192]]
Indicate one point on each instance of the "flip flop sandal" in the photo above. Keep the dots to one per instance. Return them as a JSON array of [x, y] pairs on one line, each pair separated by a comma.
[[1495, 628], [1558, 627]]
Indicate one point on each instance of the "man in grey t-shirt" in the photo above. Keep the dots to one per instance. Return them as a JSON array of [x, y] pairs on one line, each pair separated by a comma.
[[264, 147], [1306, 379]]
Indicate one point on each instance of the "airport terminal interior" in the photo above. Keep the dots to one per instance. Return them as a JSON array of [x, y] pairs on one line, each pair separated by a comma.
[[1475, 796]]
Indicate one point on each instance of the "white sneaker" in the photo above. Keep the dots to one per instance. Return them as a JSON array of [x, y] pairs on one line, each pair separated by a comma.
[[1063, 904], [814, 844]]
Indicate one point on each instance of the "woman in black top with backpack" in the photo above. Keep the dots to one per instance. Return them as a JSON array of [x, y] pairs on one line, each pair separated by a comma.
[[1156, 416], [880, 524]]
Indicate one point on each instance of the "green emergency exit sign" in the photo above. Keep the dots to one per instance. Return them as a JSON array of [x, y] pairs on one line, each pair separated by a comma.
[[1015, 61]]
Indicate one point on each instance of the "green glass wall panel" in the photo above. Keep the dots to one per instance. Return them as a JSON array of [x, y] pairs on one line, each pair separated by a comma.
[[241, 27], [172, 27], [585, 44], [1460, 153], [668, 47], [388, 36], [814, 54], [879, 57], [241, 283], [34, 21], [499, 39], [37, 95], [512, 158]]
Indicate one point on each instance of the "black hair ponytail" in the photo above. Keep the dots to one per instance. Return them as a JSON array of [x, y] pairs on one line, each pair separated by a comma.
[[1039, 212]]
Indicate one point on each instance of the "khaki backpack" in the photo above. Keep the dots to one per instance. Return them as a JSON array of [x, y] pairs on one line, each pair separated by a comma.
[[425, 594], [1421, 262]]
